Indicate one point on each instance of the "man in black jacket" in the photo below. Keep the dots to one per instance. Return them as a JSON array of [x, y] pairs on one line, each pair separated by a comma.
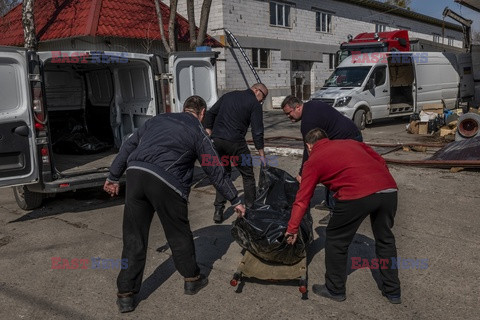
[[317, 114], [159, 159], [227, 122]]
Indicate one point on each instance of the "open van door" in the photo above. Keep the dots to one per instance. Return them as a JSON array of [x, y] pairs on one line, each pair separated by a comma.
[[192, 73], [18, 154]]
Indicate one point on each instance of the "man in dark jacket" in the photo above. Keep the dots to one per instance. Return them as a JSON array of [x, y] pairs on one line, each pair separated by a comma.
[[159, 159], [227, 122], [363, 186], [317, 114]]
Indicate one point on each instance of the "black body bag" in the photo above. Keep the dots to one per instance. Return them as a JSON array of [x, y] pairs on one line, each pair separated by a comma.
[[262, 230]]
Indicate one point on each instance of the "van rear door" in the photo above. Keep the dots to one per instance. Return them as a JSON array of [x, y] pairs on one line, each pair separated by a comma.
[[465, 71], [192, 73], [18, 154]]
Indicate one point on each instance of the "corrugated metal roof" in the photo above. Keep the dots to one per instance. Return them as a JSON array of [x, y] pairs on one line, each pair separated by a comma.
[[394, 10], [109, 18]]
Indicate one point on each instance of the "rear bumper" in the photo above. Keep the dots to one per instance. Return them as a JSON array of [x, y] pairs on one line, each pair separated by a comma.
[[64, 184]]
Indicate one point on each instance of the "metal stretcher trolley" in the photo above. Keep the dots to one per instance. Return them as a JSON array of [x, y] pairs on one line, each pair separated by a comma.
[[253, 267]]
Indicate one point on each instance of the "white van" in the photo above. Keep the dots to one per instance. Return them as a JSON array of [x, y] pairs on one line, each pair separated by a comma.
[[64, 114], [372, 86]]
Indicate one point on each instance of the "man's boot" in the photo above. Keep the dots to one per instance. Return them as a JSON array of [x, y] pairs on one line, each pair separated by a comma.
[[125, 302], [193, 285], [218, 215]]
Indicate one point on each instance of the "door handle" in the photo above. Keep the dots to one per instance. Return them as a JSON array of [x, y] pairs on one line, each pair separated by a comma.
[[420, 88], [385, 90], [21, 131]]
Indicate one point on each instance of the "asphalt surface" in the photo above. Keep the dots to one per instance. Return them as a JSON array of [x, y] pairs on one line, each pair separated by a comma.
[[437, 219]]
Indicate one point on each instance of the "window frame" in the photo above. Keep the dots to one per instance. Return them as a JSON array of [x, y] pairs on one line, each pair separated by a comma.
[[332, 57], [285, 15], [380, 27], [319, 21], [257, 62]]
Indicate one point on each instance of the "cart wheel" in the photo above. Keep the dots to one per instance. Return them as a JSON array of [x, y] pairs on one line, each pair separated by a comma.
[[236, 277], [302, 285]]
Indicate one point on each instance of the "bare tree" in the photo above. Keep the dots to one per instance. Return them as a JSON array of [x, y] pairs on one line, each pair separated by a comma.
[[172, 23], [196, 39], [160, 26], [192, 27], [202, 30], [148, 41], [28, 22]]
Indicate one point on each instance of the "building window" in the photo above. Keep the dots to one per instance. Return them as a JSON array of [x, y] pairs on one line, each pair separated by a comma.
[[279, 14], [450, 41], [380, 27], [324, 22], [261, 58], [436, 38], [332, 61]]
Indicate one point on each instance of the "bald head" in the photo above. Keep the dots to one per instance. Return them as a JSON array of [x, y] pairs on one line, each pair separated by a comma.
[[260, 91]]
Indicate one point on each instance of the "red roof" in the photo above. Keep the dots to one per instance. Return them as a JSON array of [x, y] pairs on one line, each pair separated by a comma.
[[74, 18]]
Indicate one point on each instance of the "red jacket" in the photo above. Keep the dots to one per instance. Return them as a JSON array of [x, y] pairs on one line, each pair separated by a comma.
[[350, 169]]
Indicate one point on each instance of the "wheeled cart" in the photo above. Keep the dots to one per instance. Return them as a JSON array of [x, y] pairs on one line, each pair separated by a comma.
[[253, 267]]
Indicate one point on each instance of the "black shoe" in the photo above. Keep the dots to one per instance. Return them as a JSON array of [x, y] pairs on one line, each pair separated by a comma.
[[322, 290], [125, 302], [393, 298], [192, 287], [218, 215]]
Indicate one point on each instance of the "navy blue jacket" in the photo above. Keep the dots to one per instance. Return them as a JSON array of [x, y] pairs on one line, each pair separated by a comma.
[[317, 114], [230, 117], [167, 146]]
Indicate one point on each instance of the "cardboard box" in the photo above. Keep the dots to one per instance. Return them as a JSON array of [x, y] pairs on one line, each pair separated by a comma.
[[413, 127], [422, 127], [433, 107], [446, 131]]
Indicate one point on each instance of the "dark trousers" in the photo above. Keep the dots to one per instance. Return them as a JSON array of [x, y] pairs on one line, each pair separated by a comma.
[[146, 194], [346, 219], [240, 150]]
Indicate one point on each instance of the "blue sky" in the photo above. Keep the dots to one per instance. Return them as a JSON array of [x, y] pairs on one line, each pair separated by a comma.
[[435, 8]]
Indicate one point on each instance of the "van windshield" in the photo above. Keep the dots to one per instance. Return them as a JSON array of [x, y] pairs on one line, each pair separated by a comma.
[[348, 77]]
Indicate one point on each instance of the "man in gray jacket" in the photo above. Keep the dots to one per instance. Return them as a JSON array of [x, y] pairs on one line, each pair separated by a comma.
[[159, 159]]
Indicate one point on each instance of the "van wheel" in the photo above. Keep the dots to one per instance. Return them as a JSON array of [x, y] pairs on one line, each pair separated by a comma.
[[26, 199], [360, 119]]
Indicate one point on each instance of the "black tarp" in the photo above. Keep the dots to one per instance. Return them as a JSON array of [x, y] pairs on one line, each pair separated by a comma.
[[262, 229], [468, 149]]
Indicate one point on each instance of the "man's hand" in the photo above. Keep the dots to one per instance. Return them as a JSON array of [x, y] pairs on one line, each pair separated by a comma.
[[291, 238], [261, 152], [299, 178], [112, 188], [240, 210], [209, 131]]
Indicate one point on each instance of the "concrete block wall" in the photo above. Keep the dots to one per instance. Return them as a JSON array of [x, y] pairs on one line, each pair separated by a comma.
[[251, 18]]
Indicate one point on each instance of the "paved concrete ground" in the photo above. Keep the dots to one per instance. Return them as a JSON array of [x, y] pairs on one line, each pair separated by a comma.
[[437, 219]]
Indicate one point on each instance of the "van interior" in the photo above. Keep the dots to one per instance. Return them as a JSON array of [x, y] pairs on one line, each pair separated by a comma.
[[401, 86], [92, 108]]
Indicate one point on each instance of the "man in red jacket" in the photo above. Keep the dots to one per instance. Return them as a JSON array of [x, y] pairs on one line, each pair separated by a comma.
[[362, 186]]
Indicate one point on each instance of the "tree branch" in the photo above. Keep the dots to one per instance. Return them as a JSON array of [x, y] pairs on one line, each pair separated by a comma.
[[160, 26]]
